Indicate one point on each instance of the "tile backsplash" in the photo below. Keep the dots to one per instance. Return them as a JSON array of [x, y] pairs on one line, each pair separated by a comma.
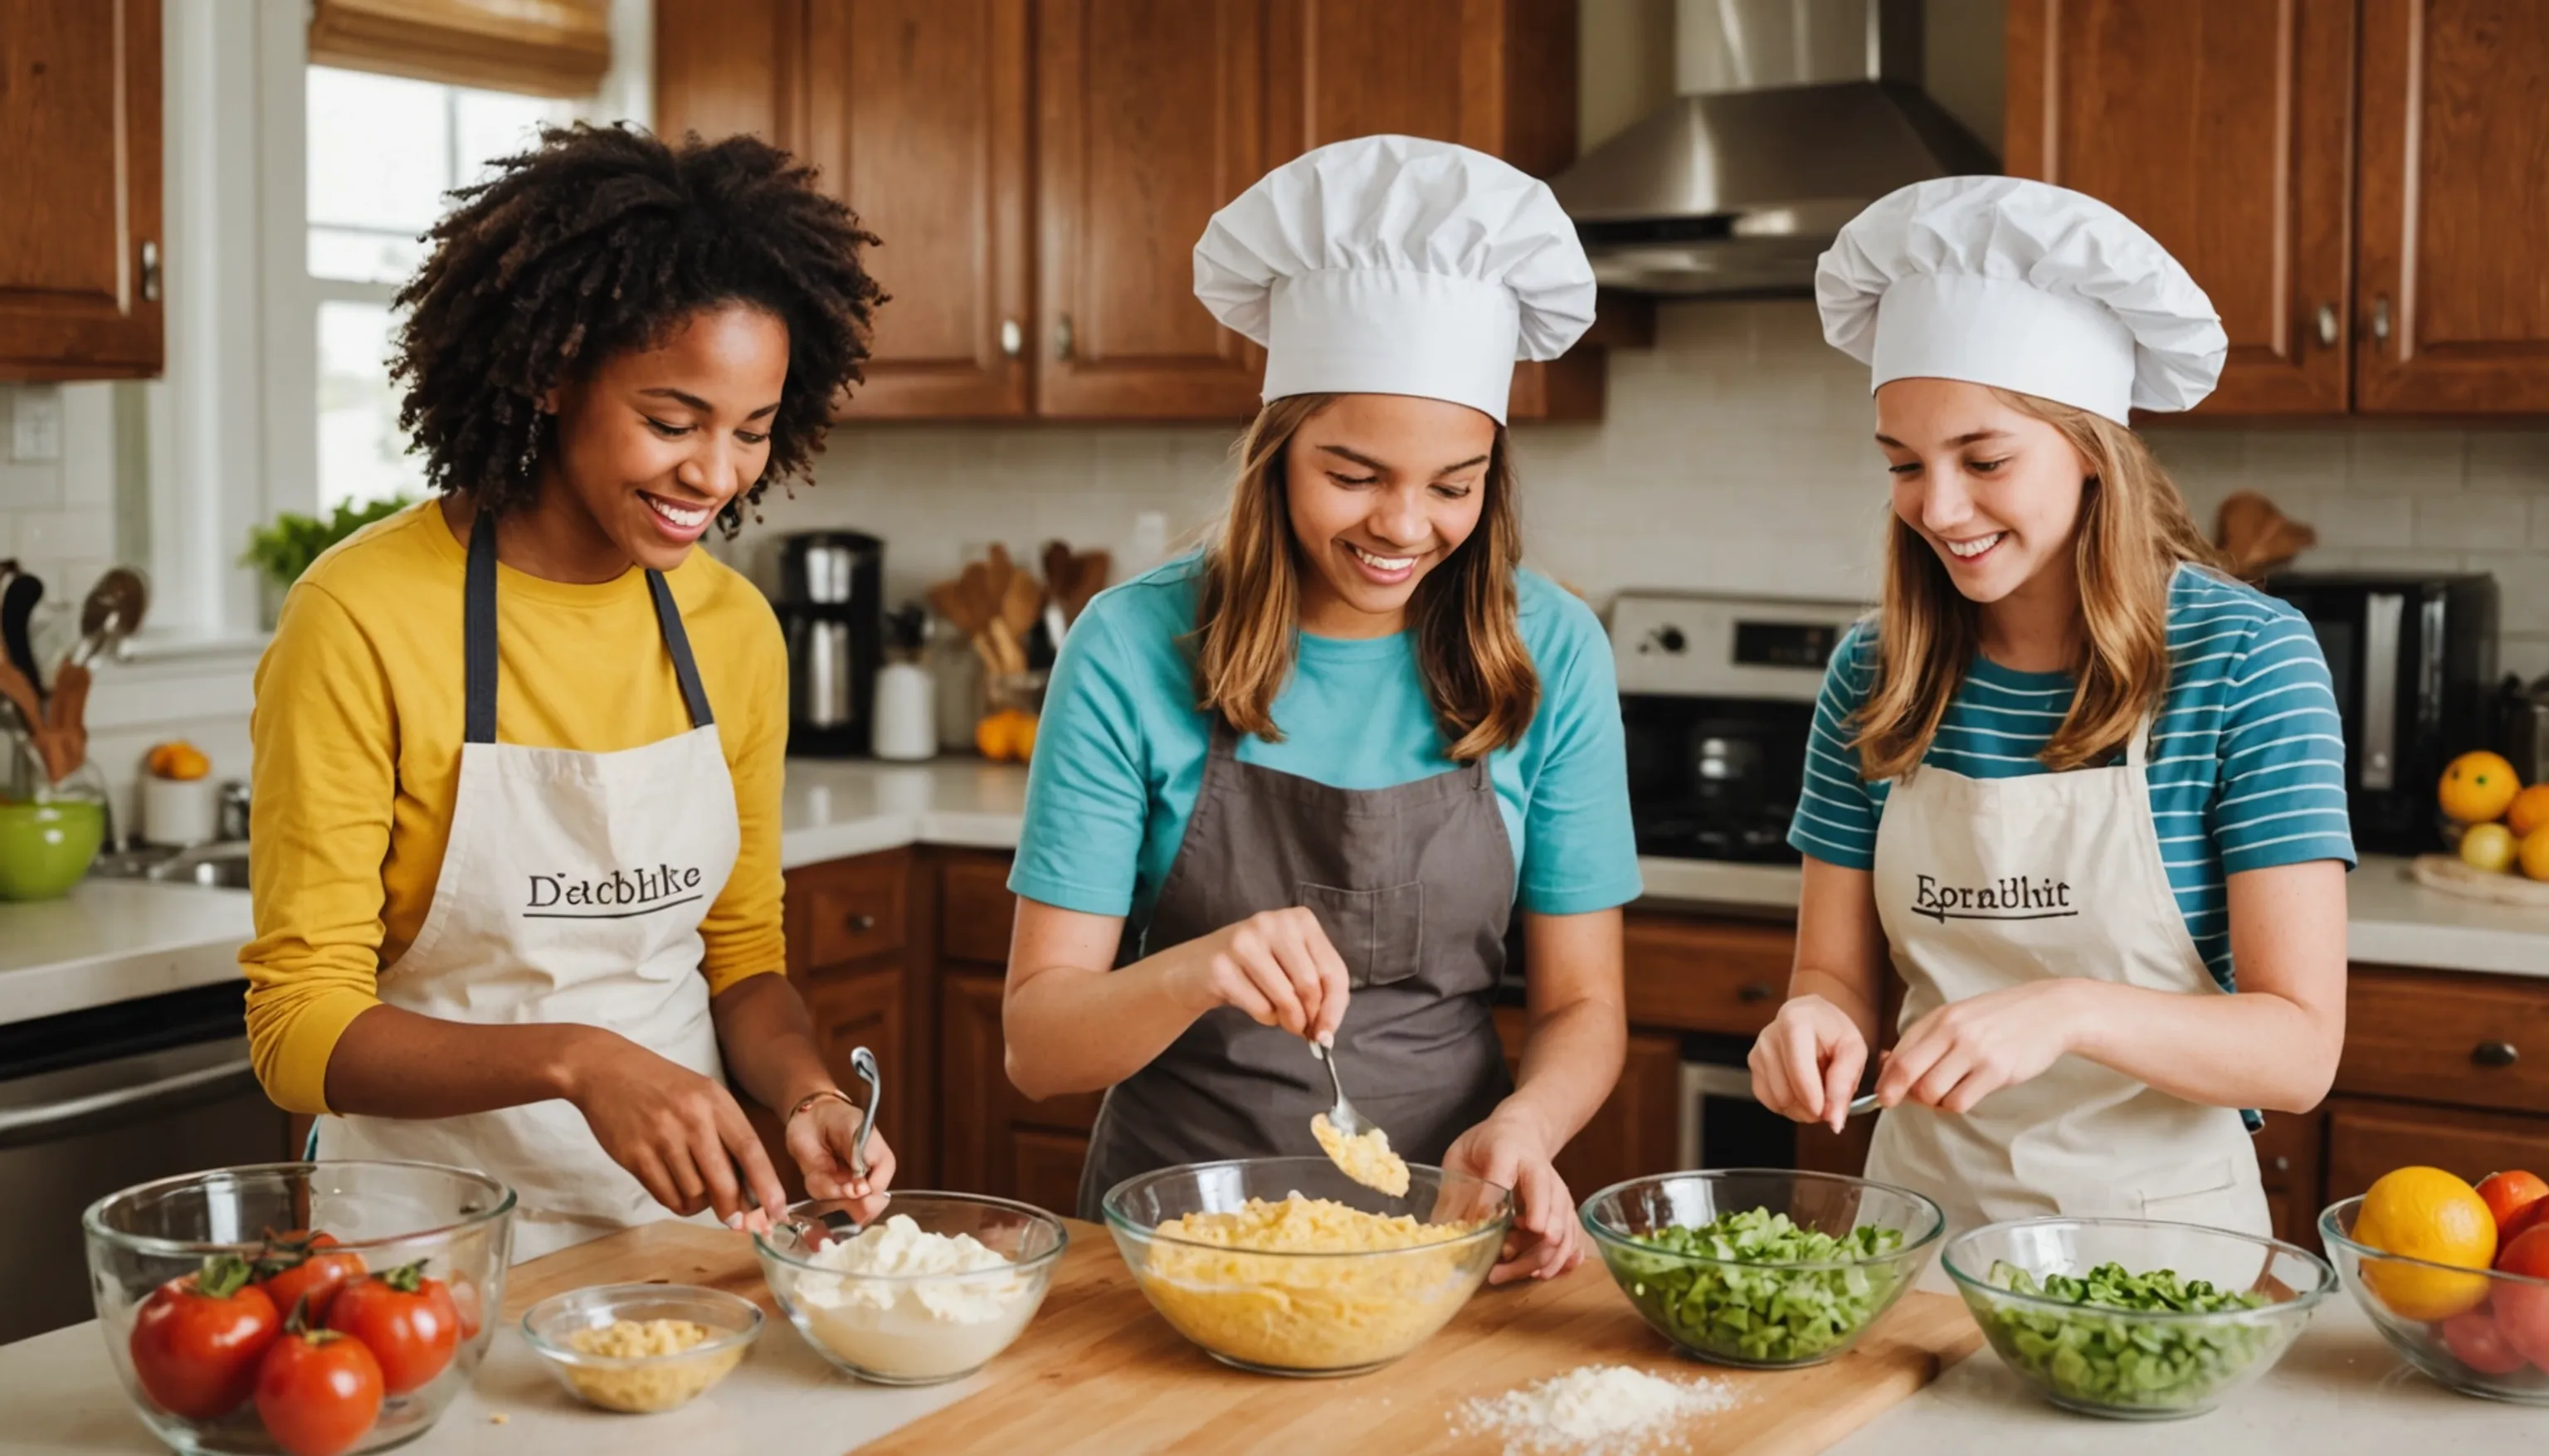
[[1732, 456], [56, 519]]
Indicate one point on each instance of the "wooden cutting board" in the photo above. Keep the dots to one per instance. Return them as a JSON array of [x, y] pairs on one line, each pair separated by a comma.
[[1100, 1372]]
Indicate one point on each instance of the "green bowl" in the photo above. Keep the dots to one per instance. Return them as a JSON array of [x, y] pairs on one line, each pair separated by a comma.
[[47, 847]]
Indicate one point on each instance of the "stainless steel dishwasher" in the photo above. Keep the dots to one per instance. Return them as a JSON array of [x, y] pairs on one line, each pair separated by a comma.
[[93, 1101]]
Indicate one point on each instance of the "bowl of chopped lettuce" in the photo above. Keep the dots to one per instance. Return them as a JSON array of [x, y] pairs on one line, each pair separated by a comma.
[[1763, 1267], [2134, 1317]]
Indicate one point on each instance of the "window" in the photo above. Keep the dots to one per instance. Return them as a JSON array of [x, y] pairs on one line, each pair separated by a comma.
[[383, 153]]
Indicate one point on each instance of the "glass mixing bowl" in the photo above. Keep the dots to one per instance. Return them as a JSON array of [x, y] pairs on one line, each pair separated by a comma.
[[2495, 1344]]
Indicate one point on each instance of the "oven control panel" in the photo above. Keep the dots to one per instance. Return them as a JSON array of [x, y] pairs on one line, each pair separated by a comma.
[[1685, 645]]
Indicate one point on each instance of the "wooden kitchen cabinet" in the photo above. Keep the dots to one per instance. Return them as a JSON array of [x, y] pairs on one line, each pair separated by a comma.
[[867, 1009], [2225, 128], [2452, 301], [2288, 1163], [994, 1139], [79, 190], [1635, 1132], [725, 67], [2367, 1138], [2477, 1040]]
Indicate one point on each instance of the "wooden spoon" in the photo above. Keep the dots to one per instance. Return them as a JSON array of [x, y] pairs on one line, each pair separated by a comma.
[[68, 730]]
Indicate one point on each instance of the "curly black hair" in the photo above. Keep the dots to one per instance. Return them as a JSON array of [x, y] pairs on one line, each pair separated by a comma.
[[604, 239]]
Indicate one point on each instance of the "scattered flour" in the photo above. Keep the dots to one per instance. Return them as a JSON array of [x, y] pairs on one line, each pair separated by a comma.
[[1593, 1411]]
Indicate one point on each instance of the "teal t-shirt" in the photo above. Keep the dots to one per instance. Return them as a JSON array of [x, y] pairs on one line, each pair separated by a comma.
[[1120, 752]]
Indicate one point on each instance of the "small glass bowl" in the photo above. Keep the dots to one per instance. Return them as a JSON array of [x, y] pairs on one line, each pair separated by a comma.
[[641, 1383], [2496, 1343], [914, 1328], [2137, 1365]]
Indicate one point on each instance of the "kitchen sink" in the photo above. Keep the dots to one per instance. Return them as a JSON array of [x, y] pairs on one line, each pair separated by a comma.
[[221, 865]]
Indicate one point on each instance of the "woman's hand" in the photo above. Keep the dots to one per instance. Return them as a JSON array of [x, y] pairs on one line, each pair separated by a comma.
[[1511, 1150], [1965, 1050], [1277, 967], [681, 1134], [822, 1139], [1807, 1061]]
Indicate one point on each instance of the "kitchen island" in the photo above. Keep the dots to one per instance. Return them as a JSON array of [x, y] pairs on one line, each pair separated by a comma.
[[2338, 1390]]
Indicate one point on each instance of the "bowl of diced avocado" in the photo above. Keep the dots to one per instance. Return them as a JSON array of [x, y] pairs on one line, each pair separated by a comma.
[[1769, 1268], [2134, 1317]]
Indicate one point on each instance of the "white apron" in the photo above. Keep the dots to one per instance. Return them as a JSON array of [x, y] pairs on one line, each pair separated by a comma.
[[572, 890], [1984, 883]]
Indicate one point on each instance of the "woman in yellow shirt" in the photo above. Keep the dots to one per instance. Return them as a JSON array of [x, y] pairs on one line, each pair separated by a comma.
[[519, 749]]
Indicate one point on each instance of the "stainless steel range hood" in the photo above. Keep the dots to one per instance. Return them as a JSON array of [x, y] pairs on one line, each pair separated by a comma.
[[1795, 115]]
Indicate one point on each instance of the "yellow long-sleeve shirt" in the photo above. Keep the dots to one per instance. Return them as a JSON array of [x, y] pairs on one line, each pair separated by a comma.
[[358, 732]]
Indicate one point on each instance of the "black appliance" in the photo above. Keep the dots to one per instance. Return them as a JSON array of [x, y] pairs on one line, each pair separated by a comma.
[[2414, 662], [831, 585], [1716, 696]]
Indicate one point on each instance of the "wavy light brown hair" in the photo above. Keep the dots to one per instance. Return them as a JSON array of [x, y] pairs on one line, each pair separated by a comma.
[[1465, 614], [2134, 534]]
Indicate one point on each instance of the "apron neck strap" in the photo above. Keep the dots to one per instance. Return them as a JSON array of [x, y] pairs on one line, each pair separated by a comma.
[[478, 639], [2137, 748]]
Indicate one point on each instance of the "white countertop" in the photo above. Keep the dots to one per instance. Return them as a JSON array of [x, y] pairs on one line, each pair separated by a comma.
[[112, 940], [2338, 1390]]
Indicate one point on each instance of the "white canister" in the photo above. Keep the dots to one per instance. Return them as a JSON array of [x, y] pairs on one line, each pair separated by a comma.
[[179, 811], [906, 713]]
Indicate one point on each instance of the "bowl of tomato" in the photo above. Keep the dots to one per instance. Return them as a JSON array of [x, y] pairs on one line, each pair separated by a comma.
[[301, 1309]]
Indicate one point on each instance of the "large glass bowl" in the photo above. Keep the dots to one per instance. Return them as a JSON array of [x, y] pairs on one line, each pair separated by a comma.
[[1307, 1313], [1738, 1312], [2495, 1344], [912, 1328], [457, 1224], [2130, 1364]]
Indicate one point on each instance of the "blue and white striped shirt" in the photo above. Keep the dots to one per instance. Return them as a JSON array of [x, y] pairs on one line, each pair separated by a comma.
[[2247, 760]]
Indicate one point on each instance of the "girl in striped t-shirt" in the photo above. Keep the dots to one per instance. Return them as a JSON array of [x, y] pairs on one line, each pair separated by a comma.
[[2085, 791]]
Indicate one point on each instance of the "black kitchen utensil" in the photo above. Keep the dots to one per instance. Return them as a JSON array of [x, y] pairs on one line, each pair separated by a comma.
[[17, 606]]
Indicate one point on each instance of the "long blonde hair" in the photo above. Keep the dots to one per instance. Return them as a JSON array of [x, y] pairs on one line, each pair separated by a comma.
[[1479, 676], [2134, 534]]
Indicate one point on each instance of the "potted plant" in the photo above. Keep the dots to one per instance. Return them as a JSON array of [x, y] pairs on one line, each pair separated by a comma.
[[283, 548]]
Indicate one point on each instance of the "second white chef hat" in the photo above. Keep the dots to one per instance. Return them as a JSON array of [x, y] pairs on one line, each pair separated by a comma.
[[2021, 285], [1390, 265]]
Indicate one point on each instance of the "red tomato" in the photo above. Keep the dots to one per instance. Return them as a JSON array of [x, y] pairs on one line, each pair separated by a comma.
[[2511, 1195], [294, 1269], [2523, 1309], [318, 1393], [2476, 1343], [196, 1342], [408, 1322]]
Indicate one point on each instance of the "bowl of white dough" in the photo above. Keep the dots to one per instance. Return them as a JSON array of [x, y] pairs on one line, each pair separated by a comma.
[[933, 1289]]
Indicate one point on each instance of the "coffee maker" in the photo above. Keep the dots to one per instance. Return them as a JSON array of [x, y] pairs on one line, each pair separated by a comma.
[[831, 585]]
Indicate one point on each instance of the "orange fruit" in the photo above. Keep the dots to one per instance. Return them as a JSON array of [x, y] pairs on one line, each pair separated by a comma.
[[178, 760], [2508, 1194], [1024, 737], [2533, 855], [1005, 736], [2529, 811], [2426, 1214], [2478, 787]]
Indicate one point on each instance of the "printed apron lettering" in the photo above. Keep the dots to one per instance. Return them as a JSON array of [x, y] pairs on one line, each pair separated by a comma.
[[572, 890]]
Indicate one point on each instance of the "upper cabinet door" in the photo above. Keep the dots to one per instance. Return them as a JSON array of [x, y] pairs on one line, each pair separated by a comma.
[[79, 189], [2453, 283], [728, 66], [2222, 127], [917, 119], [1149, 118]]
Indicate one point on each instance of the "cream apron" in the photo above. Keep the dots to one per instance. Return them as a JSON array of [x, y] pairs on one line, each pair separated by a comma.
[[1984, 883], [572, 890]]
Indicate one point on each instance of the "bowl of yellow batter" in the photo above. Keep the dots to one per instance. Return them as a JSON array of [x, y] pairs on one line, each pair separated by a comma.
[[1286, 1266]]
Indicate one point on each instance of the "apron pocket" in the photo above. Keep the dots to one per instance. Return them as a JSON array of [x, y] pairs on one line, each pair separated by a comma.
[[2187, 1189], [1380, 933]]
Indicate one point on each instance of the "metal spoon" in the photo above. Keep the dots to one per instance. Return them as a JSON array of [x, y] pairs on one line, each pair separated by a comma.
[[1343, 1116], [1859, 1105], [864, 1063]]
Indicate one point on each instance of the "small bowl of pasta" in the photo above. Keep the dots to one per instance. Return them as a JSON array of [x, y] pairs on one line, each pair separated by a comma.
[[641, 1348], [1288, 1266]]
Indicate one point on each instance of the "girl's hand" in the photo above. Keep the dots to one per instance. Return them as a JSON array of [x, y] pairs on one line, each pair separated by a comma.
[[1807, 1061], [681, 1134], [1511, 1150], [1965, 1050], [1277, 967], [822, 1139]]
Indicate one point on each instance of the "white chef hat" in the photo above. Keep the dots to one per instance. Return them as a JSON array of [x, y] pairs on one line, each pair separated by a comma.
[[1389, 265], [2022, 285]]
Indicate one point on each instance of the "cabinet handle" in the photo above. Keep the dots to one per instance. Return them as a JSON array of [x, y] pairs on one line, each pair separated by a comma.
[[2494, 1054], [1013, 340], [2283, 1164], [151, 271], [1752, 992], [2327, 325], [2380, 318], [1062, 337], [862, 922]]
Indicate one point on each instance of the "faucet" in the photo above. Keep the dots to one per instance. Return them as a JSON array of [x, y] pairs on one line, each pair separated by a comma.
[[230, 825]]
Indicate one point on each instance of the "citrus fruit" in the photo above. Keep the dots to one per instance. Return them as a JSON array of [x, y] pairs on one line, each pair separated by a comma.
[[2426, 1214], [2488, 847], [2507, 1196], [2478, 787], [2530, 810], [1006, 736], [2533, 855]]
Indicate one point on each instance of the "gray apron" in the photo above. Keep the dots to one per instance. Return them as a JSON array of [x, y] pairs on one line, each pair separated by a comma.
[[1414, 886]]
